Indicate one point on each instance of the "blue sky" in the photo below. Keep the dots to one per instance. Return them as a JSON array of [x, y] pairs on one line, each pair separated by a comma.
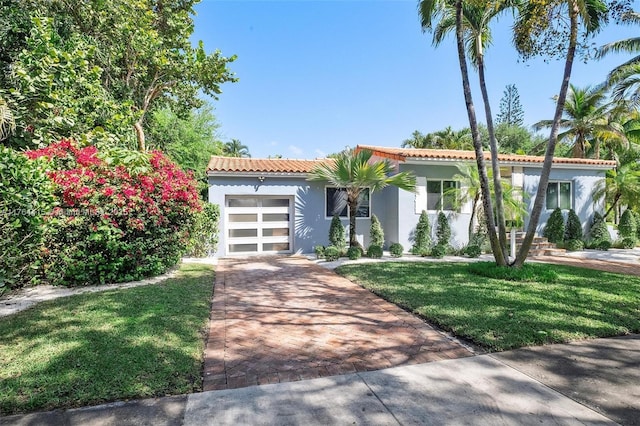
[[316, 76]]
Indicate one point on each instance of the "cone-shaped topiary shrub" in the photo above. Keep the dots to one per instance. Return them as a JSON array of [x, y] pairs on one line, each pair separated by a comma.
[[422, 238], [573, 229], [336, 233], [443, 233], [598, 231], [554, 229], [627, 226], [376, 233]]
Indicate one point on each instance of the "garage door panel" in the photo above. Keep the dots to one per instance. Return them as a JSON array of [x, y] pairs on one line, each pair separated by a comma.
[[259, 224]]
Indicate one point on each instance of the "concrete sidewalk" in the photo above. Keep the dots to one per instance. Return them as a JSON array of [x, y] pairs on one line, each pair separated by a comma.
[[588, 382]]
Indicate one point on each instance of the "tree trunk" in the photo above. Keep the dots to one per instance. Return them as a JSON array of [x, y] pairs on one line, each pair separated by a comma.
[[477, 142], [613, 205], [495, 165], [353, 209], [474, 208], [578, 148], [140, 135], [541, 194]]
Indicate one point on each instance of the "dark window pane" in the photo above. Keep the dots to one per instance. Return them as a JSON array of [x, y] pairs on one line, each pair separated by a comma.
[[336, 202], [448, 195], [275, 232], [242, 248], [275, 202], [243, 202], [275, 246], [565, 195], [552, 195], [275, 217], [243, 233], [434, 193], [364, 204]]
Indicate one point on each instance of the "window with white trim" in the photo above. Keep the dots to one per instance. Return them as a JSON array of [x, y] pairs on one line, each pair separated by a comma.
[[441, 194], [336, 203], [559, 195]]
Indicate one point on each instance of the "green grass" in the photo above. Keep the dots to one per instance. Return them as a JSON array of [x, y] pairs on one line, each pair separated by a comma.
[[119, 344], [498, 314]]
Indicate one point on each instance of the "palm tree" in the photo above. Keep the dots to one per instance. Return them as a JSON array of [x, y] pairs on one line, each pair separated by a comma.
[[587, 121], [533, 22], [453, 139], [418, 140], [621, 185], [625, 78], [471, 24], [235, 148], [353, 171]]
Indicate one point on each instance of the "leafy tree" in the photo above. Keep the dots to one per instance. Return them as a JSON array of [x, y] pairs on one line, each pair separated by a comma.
[[336, 233], [235, 148], [354, 171], [376, 233], [553, 29], [56, 92], [587, 121], [446, 138], [621, 185], [598, 231], [143, 48], [573, 230], [511, 112], [190, 141], [422, 238], [443, 232], [554, 228], [518, 140], [627, 226]]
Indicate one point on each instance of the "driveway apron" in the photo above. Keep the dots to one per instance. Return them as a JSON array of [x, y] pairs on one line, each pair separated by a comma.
[[281, 319]]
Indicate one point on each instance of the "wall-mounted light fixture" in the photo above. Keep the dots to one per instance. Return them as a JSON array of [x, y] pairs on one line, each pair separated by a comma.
[[261, 179]]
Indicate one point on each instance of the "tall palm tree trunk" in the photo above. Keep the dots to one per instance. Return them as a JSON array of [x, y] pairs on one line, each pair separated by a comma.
[[477, 143], [493, 145], [353, 210], [474, 209], [541, 194]]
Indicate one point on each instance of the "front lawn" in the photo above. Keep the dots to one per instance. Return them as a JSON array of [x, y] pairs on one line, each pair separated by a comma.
[[119, 344], [498, 314]]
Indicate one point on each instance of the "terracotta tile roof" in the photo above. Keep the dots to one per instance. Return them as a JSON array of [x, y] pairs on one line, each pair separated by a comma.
[[403, 154], [261, 165]]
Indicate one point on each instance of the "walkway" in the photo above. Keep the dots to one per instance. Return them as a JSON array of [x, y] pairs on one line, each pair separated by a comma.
[[283, 319]]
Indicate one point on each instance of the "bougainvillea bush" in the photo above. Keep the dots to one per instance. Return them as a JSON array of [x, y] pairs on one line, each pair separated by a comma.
[[118, 218]]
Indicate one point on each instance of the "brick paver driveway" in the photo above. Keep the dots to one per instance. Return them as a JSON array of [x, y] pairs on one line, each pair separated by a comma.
[[279, 319]]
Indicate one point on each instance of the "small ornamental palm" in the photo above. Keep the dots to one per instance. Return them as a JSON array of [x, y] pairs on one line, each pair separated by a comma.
[[354, 171]]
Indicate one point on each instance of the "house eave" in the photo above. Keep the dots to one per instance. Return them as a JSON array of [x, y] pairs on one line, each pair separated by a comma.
[[212, 173], [448, 161]]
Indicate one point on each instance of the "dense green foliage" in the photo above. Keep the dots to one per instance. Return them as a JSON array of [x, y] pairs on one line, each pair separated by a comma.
[[26, 196], [562, 304], [422, 235], [95, 348], [598, 232], [336, 233], [354, 253], [376, 233], [114, 222], [511, 111], [554, 228], [319, 251], [473, 250], [443, 231], [332, 253], [204, 232], [628, 243], [627, 226], [574, 245], [529, 272], [438, 251], [573, 228], [374, 251], [396, 250]]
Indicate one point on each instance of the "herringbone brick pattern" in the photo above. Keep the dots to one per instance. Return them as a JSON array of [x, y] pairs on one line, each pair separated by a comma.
[[280, 319]]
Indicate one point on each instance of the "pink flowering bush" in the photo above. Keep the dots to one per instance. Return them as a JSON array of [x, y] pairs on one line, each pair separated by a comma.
[[111, 224]]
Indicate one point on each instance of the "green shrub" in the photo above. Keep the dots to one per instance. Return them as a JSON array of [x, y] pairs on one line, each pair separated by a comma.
[[598, 231], [26, 196], [573, 229], [336, 233], [204, 235], [121, 216], [637, 216], [443, 233], [396, 250], [319, 251], [529, 272], [554, 228], [354, 253], [603, 245], [438, 251], [473, 250], [331, 253], [574, 245], [376, 233], [374, 251], [627, 227], [628, 243], [422, 236]]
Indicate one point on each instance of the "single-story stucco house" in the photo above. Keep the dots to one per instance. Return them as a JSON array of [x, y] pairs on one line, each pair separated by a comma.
[[269, 206]]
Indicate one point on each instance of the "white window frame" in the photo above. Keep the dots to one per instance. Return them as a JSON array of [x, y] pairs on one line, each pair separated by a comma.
[[558, 182], [348, 213], [457, 184]]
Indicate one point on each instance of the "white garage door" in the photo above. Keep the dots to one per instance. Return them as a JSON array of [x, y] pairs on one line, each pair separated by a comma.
[[259, 225]]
